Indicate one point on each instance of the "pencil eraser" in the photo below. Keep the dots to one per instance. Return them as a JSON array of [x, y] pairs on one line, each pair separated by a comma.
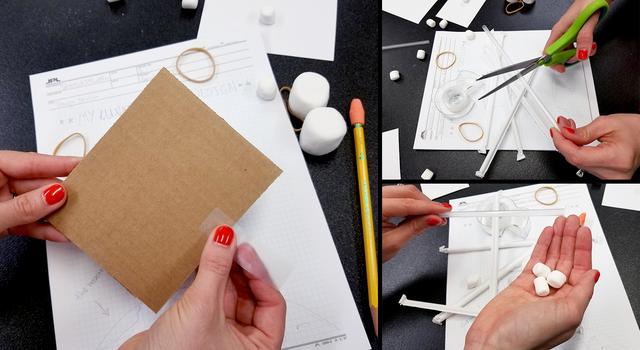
[[556, 279], [473, 281], [356, 112], [443, 23], [267, 15], [541, 270], [470, 35], [322, 131], [427, 174], [190, 4], [541, 286], [421, 54], [431, 23], [309, 90], [267, 89], [394, 75]]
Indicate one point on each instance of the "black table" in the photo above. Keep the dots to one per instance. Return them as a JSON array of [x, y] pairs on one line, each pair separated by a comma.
[[615, 70], [39, 36], [419, 270]]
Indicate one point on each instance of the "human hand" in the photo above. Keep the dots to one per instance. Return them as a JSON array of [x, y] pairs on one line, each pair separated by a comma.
[[420, 214], [519, 319], [226, 307], [618, 154], [585, 45], [31, 178]]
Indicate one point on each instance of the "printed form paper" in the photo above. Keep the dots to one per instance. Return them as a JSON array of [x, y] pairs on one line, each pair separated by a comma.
[[460, 12], [411, 10], [608, 322], [286, 225], [390, 155], [302, 28], [434, 191], [571, 94], [624, 196]]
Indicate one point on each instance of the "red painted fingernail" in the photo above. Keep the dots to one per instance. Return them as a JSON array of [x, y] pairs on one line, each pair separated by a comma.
[[223, 235], [431, 221], [593, 46], [551, 132], [446, 205], [558, 120], [570, 130], [53, 194], [582, 54], [597, 277]]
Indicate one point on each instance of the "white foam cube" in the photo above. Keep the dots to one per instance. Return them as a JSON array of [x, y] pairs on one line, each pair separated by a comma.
[[431, 23], [541, 286], [309, 90], [267, 15], [556, 279], [322, 131], [394, 75], [267, 89], [421, 54], [443, 24], [541, 270], [190, 4], [427, 174]]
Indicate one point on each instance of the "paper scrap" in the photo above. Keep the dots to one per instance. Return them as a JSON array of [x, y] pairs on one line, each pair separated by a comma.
[[391, 155], [411, 10], [434, 191], [460, 12], [624, 196]]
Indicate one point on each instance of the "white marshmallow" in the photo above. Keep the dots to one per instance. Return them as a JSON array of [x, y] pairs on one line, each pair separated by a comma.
[[394, 75], [465, 1], [190, 4], [309, 90], [443, 23], [427, 174], [473, 281], [431, 23], [542, 288], [541, 270], [267, 89], [267, 15], [110, 1], [528, 2], [322, 131], [421, 54], [470, 35], [556, 279]]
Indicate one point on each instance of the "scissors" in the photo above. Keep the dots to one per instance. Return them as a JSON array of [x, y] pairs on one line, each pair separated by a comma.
[[555, 53]]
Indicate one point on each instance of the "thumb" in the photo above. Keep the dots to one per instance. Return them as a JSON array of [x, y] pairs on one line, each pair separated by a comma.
[[31, 206], [588, 133], [583, 290]]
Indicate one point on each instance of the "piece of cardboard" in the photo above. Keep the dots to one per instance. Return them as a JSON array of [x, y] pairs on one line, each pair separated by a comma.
[[138, 199]]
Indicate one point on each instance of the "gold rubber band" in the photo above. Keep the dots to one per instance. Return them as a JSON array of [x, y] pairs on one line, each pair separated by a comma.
[[286, 104], [540, 190], [196, 49], [84, 143], [471, 123], [510, 12], [445, 53]]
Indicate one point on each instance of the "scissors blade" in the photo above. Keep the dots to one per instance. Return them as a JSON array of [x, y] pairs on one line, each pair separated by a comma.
[[521, 65], [511, 80]]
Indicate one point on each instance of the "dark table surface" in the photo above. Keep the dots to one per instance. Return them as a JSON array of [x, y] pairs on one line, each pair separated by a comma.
[[417, 271], [38, 36], [615, 66]]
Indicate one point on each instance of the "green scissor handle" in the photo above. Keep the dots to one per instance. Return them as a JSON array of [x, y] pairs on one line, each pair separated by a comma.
[[559, 56]]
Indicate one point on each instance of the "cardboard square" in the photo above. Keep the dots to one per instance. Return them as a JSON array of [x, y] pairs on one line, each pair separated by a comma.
[[137, 201]]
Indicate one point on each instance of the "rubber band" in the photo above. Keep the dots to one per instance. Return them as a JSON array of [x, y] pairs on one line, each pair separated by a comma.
[[465, 137], [84, 143], [444, 53], [510, 12], [196, 49], [541, 189], [286, 105]]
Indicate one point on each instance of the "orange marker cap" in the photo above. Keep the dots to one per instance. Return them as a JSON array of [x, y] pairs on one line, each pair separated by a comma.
[[356, 112]]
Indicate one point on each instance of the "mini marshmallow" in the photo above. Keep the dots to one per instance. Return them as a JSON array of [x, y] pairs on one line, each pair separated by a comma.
[[427, 174], [267, 89], [556, 279], [465, 1], [110, 1], [541, 270], [322, 131], [431, 23], [542, 288], [267, 15], [529, 2], [190, 4], [470, 34], [394, 75], [443, 23], [309, 90], [473, 281], [421, 54]]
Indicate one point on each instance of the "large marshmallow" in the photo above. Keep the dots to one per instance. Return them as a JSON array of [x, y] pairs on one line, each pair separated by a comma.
[[322, 131], [541, 286], [310, 90], [190, 4], [541, 270], [556, 279], [267, 15]]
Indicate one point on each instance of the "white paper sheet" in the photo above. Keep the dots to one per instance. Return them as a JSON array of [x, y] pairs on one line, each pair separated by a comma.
[[286, 225], [411, 10], [303, 28], [608, 323], [391, 155], [460, 12], [624, 196], [571, 94], [434, 191]]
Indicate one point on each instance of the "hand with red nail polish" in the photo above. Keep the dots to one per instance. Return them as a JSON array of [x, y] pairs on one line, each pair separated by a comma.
[[29, 192], [616, 156], [231, 304], [417, 212], [517, 318]]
